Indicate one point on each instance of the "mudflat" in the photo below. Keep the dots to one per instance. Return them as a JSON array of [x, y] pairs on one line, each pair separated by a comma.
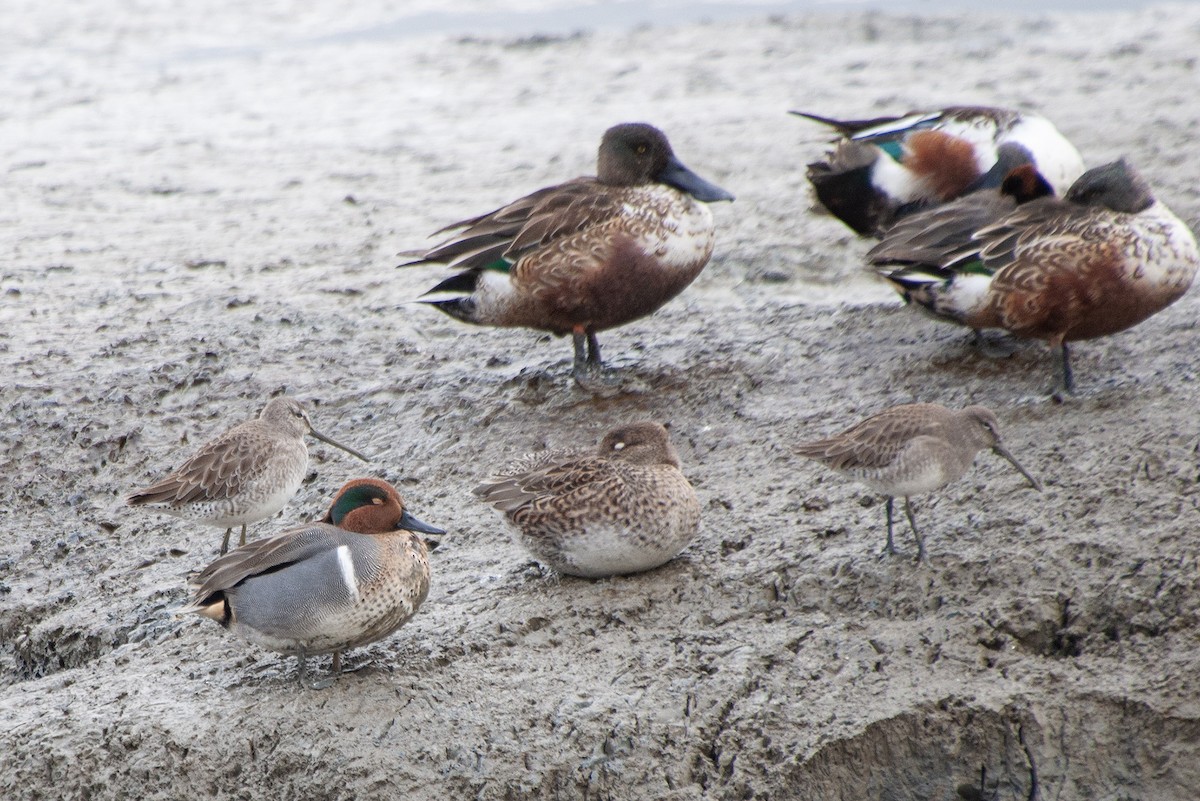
[[206, 207]]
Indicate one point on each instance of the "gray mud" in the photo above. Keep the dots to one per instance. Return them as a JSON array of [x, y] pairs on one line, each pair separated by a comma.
[[187, 235]]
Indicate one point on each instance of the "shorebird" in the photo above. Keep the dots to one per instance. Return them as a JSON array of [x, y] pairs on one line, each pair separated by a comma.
[[911, 449], [352, 578], [586, 255], [1099, 260], [245, 475], [885, 168], [622, 508]]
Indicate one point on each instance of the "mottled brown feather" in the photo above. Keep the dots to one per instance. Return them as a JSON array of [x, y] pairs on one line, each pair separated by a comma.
[[875, 443], [529, 223], [215, 472]]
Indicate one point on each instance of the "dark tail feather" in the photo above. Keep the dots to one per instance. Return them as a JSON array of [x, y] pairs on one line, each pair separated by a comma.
[[851, 197], [464, 283], [846, 128]]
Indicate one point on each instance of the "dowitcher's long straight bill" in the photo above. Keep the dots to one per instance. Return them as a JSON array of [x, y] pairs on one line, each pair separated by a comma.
[[336, 444], [1000, 450], [683, 179]]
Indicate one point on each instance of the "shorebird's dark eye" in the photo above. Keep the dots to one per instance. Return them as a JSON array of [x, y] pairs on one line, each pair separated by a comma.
[[641, 150], [618, 446]]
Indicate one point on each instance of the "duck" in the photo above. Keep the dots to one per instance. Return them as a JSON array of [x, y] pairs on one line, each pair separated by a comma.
[[245, 475], [883, 169], [1102, 258], [351, 578], [625, 507], [586, 255], [909, 450]]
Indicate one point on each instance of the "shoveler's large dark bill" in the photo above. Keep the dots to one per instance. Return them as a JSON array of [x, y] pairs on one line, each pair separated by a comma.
[[685, 180]]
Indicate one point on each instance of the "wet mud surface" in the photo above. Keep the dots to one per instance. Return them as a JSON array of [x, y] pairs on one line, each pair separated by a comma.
[[188, 236]]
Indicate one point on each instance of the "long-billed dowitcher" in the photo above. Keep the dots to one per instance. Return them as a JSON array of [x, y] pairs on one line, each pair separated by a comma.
[[885, 168], [586, 255], [352, 578], [910, 449], [1095, 262], [245, 475], [622, 508]]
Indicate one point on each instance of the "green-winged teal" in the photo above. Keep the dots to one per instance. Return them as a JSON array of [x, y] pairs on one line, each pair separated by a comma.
[[350, 579]]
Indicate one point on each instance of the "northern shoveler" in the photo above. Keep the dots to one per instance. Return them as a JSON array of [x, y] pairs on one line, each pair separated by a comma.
[[1099, 260], [885, 168], [623, 508], [245, 475], [352, 578], [586, 255], [911, 449]]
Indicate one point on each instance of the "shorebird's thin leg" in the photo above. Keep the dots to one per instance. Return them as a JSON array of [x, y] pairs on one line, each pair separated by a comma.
[[891, 544], [225, 542], [336, 668], [242, 541], [912, 522]]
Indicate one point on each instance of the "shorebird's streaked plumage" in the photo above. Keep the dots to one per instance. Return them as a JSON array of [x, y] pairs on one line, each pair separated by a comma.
[[1099, 260], [350, 579], [586, 255], [245, 475], [623, 508], [886, 168], [911, 449]]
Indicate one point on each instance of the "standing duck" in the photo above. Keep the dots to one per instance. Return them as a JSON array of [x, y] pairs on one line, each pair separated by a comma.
[[586, 255], [1097, 261]]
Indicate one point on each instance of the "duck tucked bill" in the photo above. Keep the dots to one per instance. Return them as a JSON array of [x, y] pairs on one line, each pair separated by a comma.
[[1099, 260], [623, 508], [886, 168]]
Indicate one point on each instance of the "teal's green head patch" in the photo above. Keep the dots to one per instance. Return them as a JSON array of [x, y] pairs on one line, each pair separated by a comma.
[[353, 498]]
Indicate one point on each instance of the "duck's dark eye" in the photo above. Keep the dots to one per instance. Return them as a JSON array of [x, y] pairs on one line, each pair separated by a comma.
[[641, 150]]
